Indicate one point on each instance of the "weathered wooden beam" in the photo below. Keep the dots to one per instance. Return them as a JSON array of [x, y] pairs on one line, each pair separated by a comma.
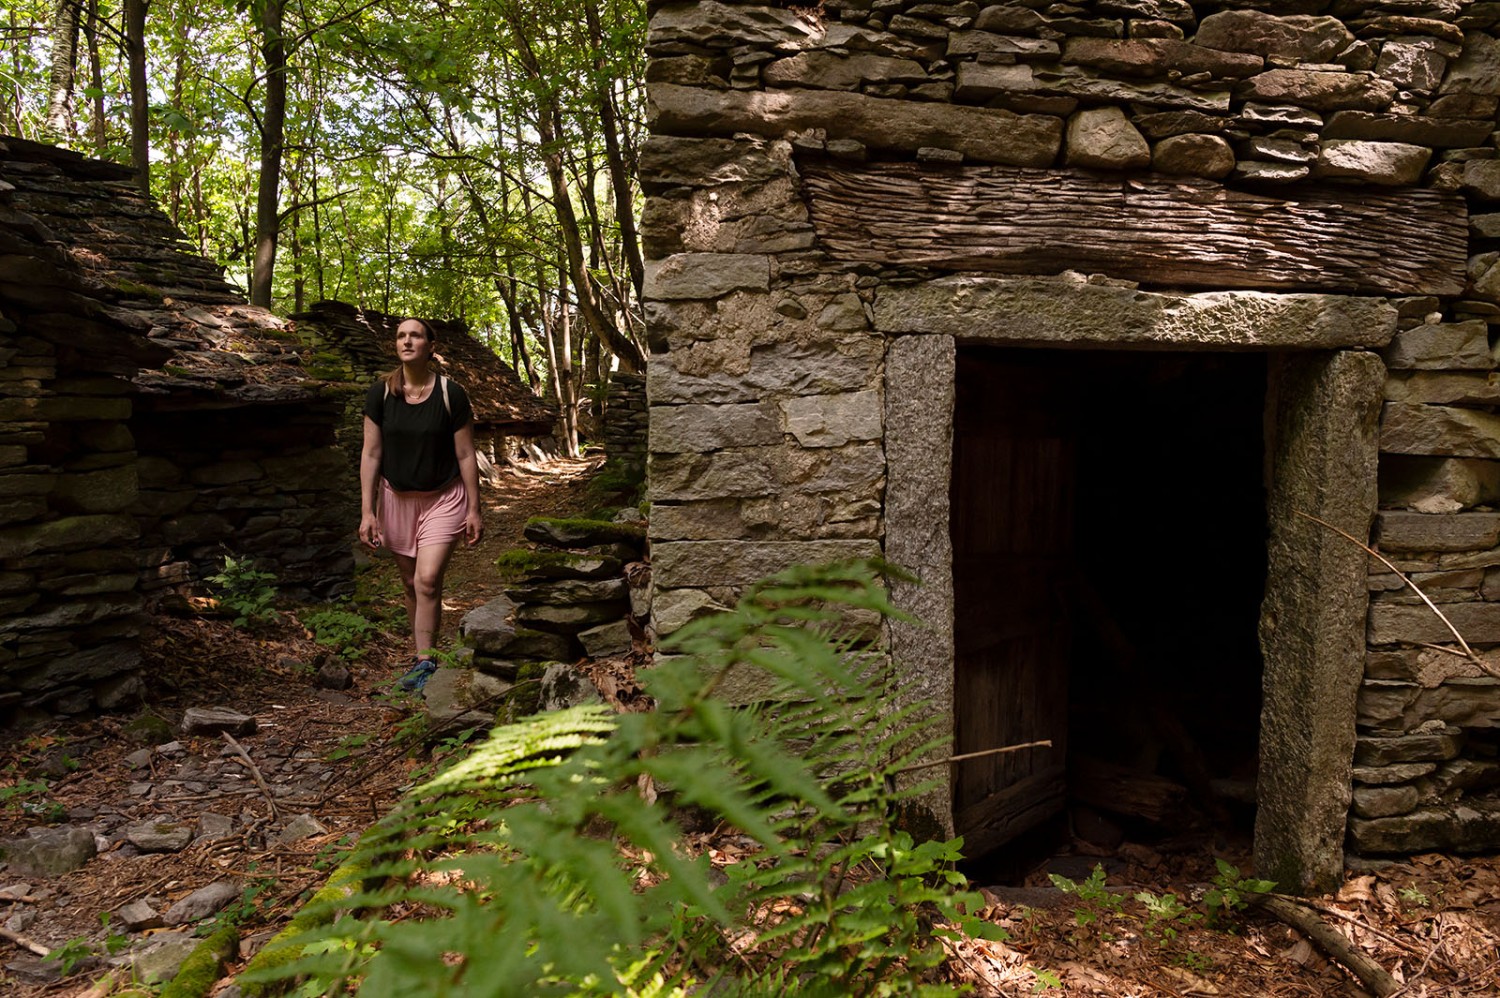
[[1163, 232]]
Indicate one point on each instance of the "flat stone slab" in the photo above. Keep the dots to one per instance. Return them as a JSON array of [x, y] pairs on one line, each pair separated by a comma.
[[203, 902], [1046, 312], [606, 639], [982, 134], [488, 628], [1466, 828], [569, 591], [48, 852], [159, 836], [1464, 702], [215, 720], [1402, 531]]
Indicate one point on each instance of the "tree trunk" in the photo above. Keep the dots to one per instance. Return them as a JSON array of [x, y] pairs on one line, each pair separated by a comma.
[[620, 172], [549, 126], [98, 132], [140, 99], [64, 66], [272, 139]]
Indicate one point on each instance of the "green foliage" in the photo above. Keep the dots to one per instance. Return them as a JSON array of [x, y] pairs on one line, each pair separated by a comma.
[[70, 954], [245, 592], [1228, 894], [617, 484], [547, 836], [25, 797], [1045, 980], [1164, 914], [1413, 896], [1091, 891], [345, 631]]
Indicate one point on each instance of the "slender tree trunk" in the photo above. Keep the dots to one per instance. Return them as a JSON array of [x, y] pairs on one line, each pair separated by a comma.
[[549, 125], [140, 99], [620, 171], [272, 140], [64, 67], [98, 133]]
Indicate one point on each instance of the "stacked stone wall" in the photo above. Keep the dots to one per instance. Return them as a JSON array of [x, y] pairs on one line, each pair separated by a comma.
[[767, 381], [280, 496], [68, 598], [625, 421]]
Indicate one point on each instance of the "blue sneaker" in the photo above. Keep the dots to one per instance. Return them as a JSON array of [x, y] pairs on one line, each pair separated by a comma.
[[417, 678]]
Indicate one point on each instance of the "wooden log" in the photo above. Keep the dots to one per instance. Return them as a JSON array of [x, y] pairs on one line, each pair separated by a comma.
[[1331, 941], [1121, 790], [1166, 232]]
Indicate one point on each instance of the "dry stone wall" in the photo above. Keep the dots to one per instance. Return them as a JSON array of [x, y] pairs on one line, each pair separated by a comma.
[[771, 341]]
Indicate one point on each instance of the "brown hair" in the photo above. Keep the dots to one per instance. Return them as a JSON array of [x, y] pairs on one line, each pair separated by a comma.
[[393, 379]]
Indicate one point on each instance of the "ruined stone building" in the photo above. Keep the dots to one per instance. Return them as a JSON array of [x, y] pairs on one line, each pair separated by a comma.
[[153, 423], [1105, 319]]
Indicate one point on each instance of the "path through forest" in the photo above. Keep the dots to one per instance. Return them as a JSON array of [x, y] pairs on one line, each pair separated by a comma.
[[246, 830]]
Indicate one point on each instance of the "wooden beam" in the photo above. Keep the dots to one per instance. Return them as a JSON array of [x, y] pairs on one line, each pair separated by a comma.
[[1000, 817], [1167, 232]]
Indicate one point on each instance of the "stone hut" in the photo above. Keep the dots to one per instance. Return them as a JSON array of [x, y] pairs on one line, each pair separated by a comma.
[[353, 344], [154, 423], [1108, 320]]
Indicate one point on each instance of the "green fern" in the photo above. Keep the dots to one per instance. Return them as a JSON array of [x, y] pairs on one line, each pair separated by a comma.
[[541, 869]]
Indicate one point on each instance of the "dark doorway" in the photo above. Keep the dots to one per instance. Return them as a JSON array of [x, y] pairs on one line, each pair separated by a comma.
[[1108, 522]]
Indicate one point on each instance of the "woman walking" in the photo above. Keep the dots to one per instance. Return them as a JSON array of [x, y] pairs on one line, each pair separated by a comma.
[[419, 482]]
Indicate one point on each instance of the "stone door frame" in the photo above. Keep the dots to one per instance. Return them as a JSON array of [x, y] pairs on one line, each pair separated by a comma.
[[1323, 400]]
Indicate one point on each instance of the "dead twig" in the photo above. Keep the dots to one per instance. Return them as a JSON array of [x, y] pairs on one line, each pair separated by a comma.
[[1046, 743], [24, 942], [260, 780], [1467, 651], [1332, 942], [1422, 970]]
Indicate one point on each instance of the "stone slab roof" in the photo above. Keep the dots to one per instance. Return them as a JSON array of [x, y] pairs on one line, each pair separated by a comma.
[[364, 339], [127, 255]]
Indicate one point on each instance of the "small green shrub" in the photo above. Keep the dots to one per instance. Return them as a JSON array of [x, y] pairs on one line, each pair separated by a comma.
[[245, 592], [1228, 895], [345, 631]]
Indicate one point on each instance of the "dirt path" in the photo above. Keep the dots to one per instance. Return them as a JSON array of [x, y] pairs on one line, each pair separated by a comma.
[[339, 756]]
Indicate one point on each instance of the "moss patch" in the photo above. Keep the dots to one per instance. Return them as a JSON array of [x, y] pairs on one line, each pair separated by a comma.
[[519, 562], [258, 979], [201, 970], [598, 531]]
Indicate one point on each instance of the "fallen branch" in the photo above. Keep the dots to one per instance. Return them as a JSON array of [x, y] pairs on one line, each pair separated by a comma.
[[260, 780], [24, 942], [1467, 651], [1046, 743], [1332, 942]]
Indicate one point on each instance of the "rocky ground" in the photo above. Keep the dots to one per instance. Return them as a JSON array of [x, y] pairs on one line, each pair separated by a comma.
[[189, 827], [233, 797]]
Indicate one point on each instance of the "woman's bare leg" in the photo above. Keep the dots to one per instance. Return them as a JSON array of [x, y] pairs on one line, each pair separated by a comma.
[[427, 595]]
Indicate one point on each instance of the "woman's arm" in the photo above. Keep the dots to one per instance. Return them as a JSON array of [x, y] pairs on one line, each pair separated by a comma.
[[369, 484], [468, 470]]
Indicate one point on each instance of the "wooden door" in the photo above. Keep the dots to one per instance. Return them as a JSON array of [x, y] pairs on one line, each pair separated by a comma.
[[1011, 521]]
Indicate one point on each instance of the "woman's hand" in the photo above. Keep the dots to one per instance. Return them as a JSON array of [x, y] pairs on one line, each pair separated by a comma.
[[369, 530], [473, 527]]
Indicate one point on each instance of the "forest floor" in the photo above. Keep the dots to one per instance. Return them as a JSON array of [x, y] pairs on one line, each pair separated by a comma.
[[344, 757]]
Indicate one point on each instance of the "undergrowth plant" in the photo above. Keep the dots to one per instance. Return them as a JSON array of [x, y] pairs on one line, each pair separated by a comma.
[[244, 591], [565, 855], [341, 629]]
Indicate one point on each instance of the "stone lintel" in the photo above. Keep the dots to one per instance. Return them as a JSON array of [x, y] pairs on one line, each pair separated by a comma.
[[1040, 312]]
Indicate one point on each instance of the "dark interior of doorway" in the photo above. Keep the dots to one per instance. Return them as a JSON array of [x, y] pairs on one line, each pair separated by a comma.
[[1109, 524]]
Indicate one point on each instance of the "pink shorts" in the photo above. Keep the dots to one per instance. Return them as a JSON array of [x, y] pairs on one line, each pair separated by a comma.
[[412, 520]]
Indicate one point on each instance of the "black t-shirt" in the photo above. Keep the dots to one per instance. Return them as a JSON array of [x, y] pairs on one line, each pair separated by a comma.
[[416, 441]]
